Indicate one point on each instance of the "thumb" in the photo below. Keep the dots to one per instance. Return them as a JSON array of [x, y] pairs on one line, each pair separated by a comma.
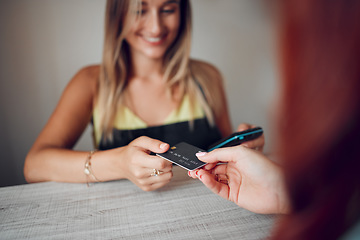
[[244, 126], [229, 154], [150, 144]]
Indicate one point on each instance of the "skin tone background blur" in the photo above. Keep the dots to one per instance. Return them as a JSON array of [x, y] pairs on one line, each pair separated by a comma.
[[43, 43]]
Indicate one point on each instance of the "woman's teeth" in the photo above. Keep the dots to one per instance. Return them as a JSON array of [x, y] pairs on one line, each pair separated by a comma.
[[152, 39]]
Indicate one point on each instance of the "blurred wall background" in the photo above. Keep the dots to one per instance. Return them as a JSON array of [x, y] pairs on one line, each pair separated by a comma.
[[43, 43]]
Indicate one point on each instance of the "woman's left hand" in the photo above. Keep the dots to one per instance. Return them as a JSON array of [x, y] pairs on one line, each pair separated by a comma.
[[256, 144]]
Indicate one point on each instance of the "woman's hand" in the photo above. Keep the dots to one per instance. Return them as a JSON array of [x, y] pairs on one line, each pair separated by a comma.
[[136, 164], [248, 178], [258, 143]]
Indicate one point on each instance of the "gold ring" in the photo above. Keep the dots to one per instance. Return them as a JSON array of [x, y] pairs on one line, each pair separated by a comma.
[[156, 172]]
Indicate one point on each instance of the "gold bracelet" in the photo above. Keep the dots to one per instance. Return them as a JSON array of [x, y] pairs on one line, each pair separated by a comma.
[[88, 170]]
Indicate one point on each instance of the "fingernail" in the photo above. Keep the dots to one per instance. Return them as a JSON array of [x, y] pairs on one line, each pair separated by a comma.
[[189, 174], [200, 177], [196, 173], [163, 145], [199, 154]]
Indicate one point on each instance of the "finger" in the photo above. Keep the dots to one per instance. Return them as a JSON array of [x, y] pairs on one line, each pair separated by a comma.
[[143, 159], [155, 186], [141, 172], [151, 179], [209, 166], [256, 143], [161, 177], [152, 171], [220, 170], [220, 154], [154, 182], [193, 174], [150, 144], [211, 169], [167, 169], [163, 162], [216, 187], [220, 173], [244, 126], [152, 162]]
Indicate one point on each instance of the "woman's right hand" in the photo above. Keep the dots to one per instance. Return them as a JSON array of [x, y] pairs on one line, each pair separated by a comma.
[[135, 163]]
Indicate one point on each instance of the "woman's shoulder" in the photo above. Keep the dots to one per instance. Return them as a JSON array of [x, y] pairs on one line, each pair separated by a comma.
[[88, 73], [84, 84], [202, 65], [204, 69], [87, 77]]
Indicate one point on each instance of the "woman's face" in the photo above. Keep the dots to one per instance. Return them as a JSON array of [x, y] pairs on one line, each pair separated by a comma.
[[156, 29]]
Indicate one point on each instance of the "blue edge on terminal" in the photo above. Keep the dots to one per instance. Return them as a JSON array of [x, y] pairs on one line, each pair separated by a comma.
[[240, 137]]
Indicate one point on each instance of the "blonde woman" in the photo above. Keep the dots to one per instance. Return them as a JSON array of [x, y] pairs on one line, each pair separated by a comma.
[[146, 94]]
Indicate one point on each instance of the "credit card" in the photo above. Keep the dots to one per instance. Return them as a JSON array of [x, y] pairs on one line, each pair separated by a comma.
[[183, 155]]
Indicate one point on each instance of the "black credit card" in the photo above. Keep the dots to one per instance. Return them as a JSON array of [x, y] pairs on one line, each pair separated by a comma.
[[183, 154]]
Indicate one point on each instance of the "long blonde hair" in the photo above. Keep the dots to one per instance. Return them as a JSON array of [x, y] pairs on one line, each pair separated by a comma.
[[179, 70]]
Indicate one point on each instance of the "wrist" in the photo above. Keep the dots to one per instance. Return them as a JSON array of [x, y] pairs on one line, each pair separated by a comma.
[[88, 171], [108, 164]]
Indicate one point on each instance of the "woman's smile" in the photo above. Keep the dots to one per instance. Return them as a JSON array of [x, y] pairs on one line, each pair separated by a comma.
[[154, 40]]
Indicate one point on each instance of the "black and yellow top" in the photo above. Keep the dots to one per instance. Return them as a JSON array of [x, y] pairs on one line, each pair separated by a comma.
[[176, 128]]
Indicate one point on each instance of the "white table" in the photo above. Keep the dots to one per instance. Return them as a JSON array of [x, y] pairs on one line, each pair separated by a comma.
[[183, 209]]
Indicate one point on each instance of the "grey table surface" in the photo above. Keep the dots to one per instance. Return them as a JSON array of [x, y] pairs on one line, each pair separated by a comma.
[[183, 209]]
